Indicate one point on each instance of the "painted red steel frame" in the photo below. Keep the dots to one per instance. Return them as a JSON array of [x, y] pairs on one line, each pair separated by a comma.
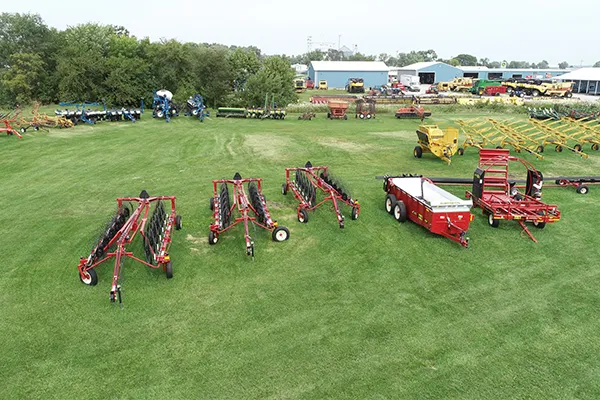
[[452, 225], [127, 234], [528, 209], [241, 201], [8, 120], [331, 194]]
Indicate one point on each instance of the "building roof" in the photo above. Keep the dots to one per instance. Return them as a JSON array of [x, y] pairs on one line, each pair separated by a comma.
[[582, 74], [421, 65], [480, 68], [349, 66]]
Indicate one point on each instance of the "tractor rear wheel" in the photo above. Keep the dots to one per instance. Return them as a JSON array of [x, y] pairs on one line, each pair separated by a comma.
[[400, 212], [390, 201], [418, 152], [90, 277]]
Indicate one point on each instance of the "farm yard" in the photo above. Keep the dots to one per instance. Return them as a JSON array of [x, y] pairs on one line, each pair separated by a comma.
[[375, 310]]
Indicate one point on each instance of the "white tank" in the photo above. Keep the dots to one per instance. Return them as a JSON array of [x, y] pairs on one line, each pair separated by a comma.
[[165, 93]]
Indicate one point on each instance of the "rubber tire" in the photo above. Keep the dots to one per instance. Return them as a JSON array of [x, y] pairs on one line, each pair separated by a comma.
[[345, 117], [169, 270], [535, 93], [461, 151], [178, 222], [539, 225], [355, 213], [284, 189], [390, 201], [577, 147], [558, 148], [93, 278], [361, 116], [582, 189], [400, 214], [280, 238], [595, 146], [211, 204], [302, 216], [213, 238], [418, 152], [494, 223], [540, 149]]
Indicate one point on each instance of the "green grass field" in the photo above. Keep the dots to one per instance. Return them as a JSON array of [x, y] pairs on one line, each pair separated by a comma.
[[377, 310]]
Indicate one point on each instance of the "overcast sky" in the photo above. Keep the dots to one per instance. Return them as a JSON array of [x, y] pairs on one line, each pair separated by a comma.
[[529, 30]]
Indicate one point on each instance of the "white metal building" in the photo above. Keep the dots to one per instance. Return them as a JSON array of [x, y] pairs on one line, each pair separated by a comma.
[[587, 80]]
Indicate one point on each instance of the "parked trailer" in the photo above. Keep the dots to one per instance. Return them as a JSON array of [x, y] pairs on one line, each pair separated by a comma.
[[424, 203], [122, 230], [306, 182], [498, 198], [252, 209], [337, 109]]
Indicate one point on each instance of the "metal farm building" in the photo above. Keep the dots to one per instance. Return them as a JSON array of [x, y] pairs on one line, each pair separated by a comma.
[[337, 73], [431, 72], [586, 80], [506, 73]]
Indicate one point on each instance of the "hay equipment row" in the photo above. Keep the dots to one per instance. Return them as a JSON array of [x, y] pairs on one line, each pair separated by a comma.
[[532, 136], [418, 199], [250, 206], [154, 218], [8, 119], [499, 198], [315, 186], [84, 114], [269, 111], [195, 107], [39, 121], [442, 143]]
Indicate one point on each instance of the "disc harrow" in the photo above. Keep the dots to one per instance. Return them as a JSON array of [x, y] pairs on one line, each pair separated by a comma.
[[307, 182], [121, 231], [251, 207]]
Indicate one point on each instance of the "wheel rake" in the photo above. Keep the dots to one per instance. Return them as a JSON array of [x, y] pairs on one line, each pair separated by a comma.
[[8, 119], [306, 182], [558, 134], [251, 207], [120, 232], [478, 134]]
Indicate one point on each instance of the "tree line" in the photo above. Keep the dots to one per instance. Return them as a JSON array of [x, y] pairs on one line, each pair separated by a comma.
[[93, 62]]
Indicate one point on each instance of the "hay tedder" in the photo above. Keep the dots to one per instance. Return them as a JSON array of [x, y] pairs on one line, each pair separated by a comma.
[[441, 143], [305, 183], [8, 119], [195, 107], [133, 216], [418, 199], [499, 198], [251, 207], [43, 121]]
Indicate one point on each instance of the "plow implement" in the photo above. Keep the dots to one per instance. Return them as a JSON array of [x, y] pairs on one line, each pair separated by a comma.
[[499, 198], [251, 208], [195, 107], [9, 118], [133, 216], [305, 183], [413, 112]]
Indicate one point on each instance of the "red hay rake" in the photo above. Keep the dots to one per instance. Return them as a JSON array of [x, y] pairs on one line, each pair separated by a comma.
[[8, 119], [122, 230], [305, 184], [246, 205]]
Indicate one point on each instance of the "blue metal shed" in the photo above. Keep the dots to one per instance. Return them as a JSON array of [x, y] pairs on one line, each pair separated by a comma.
[[337, 73], [431, 72]]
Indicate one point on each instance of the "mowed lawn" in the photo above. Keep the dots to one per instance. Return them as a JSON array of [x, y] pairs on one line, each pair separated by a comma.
[[377, 310]]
